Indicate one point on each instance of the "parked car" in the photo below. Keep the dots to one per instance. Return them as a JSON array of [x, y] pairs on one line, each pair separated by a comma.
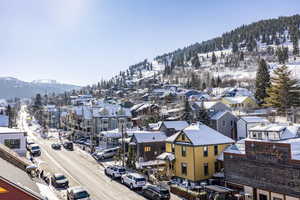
[[59, 181], [35, 150], [56, 146], [77, 192], [155, 192], [115, 171], [107, 153], [28, 143], [68, 145], [133, 180], [80, 141]]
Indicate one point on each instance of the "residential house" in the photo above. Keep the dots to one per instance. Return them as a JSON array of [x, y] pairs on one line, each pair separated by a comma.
[[240, 102], [208, 106], [144, 111], [172, 127], [248, 122], [196, 149], [147, 145], [4, 119], [224, 122], [13, 139], [266, 165]]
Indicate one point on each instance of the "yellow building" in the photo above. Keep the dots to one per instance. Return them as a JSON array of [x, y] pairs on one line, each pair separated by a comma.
[[196, 149], [240, 102]]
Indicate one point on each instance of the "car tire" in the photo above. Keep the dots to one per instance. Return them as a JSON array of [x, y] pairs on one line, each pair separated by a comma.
[[131, 186], [122, 181]]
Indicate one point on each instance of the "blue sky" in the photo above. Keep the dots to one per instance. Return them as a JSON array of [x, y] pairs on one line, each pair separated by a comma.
[[82, 41]]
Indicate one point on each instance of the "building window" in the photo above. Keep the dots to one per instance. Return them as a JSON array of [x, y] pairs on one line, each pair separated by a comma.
[[216, 166], [205, 151], [183, 168], [147, 149], [231, 123], [216, 150], [183, 151], [223, 122], [173, 148], [12, 143], [183, 137], [276, 198], [263, 197], [206, 169]]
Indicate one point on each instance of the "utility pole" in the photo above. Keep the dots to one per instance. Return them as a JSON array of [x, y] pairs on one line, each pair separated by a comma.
[[123, 146]]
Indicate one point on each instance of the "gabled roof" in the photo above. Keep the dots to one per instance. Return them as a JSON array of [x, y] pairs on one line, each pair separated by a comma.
[[177, 125], [173, 137], [219, 114], [146, 137], [200, 134]]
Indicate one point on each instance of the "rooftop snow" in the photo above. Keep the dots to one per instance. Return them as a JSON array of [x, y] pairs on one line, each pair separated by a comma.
[[146, 136], [254, 119], [200, 134], [177, 125]]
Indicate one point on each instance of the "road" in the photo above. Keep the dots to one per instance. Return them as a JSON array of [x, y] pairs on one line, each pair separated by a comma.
[[79, 167]]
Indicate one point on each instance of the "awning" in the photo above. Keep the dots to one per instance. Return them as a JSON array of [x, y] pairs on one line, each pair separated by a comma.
[[166, 156]]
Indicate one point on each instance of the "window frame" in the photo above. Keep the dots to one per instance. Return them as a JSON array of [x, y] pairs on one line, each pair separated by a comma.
[[12, 143], [184, 166], [205, 169], [216, 150], [205, 151], [183, 151]]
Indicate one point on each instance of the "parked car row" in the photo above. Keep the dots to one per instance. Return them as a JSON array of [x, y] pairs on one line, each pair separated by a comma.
[[137, 181]]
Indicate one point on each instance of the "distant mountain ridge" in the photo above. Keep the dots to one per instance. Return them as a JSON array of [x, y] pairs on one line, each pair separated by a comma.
[[11, 87]]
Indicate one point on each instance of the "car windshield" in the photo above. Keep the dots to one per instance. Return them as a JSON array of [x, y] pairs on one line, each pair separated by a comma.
[[164, 191], [140, 179], [35, 148], [82, 194], [122, 170], [60, 177]]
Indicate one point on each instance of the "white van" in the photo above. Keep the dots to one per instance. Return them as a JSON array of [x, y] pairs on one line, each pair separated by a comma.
[[107, 153]]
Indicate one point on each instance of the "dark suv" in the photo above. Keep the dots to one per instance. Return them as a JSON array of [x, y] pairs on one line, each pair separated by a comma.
[[156, 192]]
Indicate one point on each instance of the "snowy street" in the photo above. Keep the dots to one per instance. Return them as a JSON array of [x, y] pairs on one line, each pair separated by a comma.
[[79, 167]]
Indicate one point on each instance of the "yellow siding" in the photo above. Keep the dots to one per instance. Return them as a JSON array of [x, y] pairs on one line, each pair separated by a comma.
[[195, 161], [169, 147], [189, 160]]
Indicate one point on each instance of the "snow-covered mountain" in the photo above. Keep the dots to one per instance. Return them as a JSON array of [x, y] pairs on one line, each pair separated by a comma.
[[11, 87]]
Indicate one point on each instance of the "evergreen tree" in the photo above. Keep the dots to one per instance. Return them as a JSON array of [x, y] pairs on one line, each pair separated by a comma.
[[219, 81], [262, 81], [295, 45], [242, 56], [283, 92], [213, 82], [203, 86], [213, 58], [195, 62], [235, 47]]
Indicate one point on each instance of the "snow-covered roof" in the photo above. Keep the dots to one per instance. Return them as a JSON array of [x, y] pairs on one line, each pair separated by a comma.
[[147, 136], [177, 125], [166, 156], [219, 114], [3, 120], [255, 119], [5, 130], [173, 137], [200, 134], [236, 100], [268, 128]]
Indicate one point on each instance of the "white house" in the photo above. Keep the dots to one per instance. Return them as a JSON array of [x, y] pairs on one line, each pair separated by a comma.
[[248, 122], [14, 139]]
